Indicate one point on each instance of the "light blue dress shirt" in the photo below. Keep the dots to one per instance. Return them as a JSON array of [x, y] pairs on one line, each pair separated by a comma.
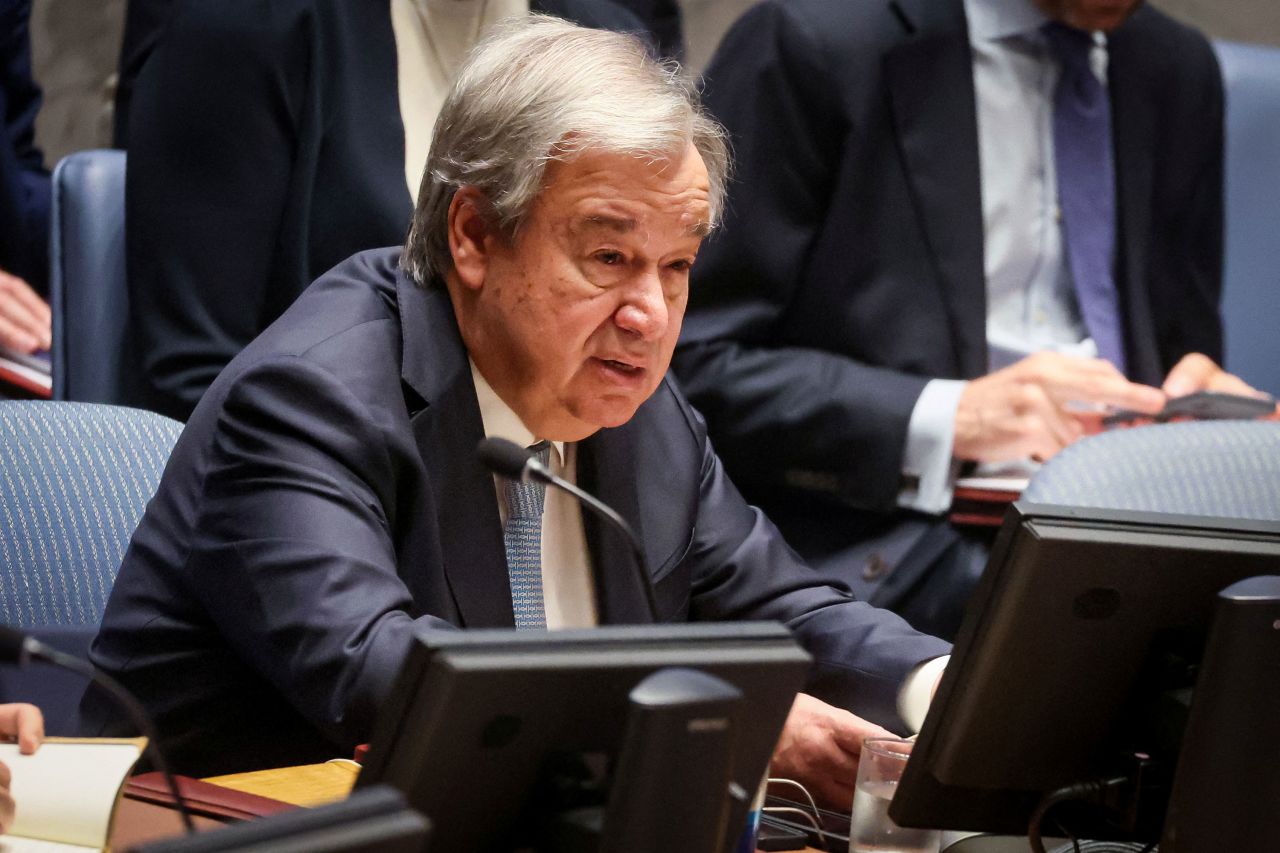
[[1031, 303]]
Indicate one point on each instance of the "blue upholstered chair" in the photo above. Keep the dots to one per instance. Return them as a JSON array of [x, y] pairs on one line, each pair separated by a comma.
[[1251, 291], [87, 290], [1223, 469], [74, 481]]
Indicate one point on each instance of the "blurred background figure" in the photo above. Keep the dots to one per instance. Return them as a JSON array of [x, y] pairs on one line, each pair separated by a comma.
[[24, 192]]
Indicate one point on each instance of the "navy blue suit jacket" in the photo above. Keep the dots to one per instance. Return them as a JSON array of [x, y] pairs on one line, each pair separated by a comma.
[[324, 502], [24, 181], [849, 268], [265, 145]]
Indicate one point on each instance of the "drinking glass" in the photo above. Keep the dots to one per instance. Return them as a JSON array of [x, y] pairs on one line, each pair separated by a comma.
[[871, 830]]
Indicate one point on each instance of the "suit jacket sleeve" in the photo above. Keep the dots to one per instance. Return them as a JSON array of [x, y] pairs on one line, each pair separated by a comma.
[[215, 118], [742, 569], [829, 423], [1186, 273], [293, 554]]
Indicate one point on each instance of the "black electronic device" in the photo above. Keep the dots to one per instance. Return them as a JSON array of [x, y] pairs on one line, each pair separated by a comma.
[[1202, 406], [496, 735], [1076, 663]]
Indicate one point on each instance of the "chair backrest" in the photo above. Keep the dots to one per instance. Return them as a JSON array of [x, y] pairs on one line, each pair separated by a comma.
[[87, 285], [1222, 469], [1251, 289], [74, 481]]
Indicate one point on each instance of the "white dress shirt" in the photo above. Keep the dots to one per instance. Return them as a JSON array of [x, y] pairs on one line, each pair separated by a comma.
[[568, 590], [1031, 302]]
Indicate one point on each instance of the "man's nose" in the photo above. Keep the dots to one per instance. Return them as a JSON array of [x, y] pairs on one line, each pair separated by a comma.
[[644, 309]]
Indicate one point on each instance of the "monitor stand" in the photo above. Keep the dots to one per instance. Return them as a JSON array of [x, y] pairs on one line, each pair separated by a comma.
[[1226, 788], [671, 789]]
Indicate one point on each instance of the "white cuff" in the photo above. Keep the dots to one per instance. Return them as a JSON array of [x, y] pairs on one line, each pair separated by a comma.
[[928, 471], [916, 692]]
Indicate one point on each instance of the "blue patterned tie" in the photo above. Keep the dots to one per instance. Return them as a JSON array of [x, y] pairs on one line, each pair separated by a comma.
[[1086, 187], [522, 537]]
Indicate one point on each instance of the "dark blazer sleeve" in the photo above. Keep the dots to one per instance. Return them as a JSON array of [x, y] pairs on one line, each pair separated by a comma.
[[742, 569], [598, 14], [663, 21], [293, 554], [783, 413], [24, 181], [1186, 262], [216, 114]]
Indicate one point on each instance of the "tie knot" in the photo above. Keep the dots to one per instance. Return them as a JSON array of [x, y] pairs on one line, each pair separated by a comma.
[[524, 500], [1070, 45]]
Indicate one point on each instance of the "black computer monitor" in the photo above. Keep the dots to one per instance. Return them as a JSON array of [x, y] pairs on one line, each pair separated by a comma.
[[490, 732], [1079, 650]]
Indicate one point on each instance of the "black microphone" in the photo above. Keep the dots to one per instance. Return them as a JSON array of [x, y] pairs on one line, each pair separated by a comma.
[[510, 460], [21, 649]]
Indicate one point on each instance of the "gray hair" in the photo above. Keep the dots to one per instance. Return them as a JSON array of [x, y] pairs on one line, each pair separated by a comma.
[[539, 89]]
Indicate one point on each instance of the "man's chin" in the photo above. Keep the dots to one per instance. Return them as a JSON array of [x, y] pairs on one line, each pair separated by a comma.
[[610, 412]]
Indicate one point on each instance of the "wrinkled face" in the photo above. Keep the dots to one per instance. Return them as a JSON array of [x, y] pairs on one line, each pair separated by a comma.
[[574, 321], [1103, 15]]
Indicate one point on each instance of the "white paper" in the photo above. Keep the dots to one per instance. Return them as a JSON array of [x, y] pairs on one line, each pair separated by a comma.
[[67, 792]]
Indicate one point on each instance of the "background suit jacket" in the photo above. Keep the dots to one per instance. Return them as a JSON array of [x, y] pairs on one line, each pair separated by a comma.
[[266, 145], [24, 181], [324, 501], [849, 268]]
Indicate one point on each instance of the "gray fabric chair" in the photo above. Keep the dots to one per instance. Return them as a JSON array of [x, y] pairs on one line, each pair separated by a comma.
[[1223, 469], [74, 481]]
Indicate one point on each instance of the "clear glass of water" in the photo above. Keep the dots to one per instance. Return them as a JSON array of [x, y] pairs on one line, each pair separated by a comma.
[[871, 830]]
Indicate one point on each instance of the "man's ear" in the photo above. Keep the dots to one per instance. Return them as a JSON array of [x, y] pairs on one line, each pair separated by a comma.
[[470, 236]]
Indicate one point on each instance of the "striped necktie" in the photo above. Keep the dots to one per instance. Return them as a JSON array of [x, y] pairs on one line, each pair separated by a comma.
[[522, 537]]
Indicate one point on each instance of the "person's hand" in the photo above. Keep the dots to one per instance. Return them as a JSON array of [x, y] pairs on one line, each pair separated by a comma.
[[25, 320], [26, 723], [819, 748], [1197, 372], [1040, 404]]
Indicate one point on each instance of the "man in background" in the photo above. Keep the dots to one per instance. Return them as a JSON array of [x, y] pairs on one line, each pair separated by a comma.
[[960, 230]]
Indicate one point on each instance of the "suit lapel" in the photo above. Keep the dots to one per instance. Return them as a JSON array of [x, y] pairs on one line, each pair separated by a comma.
[[607, 469], [447, 427], [1133, 122], [929, 78]]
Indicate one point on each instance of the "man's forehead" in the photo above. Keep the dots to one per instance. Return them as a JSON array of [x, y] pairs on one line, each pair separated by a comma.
[[696, 223]]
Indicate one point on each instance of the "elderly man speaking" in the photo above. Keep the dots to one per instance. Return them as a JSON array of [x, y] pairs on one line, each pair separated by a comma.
[[324, 502]]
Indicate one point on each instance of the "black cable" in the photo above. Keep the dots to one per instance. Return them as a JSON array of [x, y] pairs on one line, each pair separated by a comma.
[[1085, 791], [137, 715], [1068, 834]]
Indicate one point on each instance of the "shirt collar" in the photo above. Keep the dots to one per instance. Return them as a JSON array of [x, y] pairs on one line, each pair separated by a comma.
[[990, 20], [500, 421]]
